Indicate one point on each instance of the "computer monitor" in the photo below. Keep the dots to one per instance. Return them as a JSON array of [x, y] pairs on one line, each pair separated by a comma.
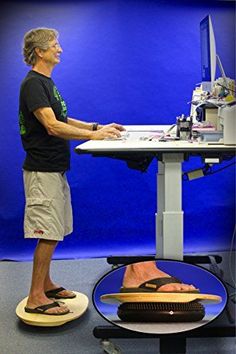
[[208, 53], [209, 58]]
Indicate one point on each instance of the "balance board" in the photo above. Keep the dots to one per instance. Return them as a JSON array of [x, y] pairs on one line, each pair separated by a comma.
[[159, 297], [77, 306], [160, 307]]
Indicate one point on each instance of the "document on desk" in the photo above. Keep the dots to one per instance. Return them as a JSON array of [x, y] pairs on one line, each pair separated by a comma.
[[140, 135], [142, 132]]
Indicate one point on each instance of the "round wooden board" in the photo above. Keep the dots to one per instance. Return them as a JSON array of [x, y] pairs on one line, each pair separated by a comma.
[[77, 307], [159, 297]]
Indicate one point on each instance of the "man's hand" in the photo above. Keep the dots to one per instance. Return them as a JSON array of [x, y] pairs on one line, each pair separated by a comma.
[[109, 131], [114, 125]]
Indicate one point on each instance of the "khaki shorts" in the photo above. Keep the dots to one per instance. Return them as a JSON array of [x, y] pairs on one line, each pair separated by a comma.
[[48, 211]]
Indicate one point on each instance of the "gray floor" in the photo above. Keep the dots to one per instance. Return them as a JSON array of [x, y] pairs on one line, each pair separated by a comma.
[[75, 337]]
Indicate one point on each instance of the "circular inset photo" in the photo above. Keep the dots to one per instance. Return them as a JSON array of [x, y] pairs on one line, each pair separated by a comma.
[[161, 297]]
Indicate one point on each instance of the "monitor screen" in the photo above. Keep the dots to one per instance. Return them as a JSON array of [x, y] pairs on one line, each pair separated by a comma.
[[208, 53]]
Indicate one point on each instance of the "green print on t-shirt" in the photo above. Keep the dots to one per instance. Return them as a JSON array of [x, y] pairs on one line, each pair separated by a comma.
[[22, 123], [60, 99]]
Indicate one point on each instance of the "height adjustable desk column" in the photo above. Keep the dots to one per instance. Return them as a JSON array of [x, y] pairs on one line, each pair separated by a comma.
[[169, 216]]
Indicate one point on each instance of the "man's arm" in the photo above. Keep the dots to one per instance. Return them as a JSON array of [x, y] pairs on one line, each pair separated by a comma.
[[82, 125], [70, 131], [89, 126]]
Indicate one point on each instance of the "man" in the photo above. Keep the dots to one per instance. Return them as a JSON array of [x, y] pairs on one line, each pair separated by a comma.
[[45, 130]]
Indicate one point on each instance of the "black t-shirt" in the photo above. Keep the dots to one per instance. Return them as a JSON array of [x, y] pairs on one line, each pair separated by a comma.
[[44, 152]]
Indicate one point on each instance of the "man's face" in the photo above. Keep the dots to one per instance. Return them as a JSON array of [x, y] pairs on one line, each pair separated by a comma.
[[52, 54]]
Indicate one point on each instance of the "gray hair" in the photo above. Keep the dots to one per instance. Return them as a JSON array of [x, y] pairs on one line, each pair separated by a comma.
[[37, 38]]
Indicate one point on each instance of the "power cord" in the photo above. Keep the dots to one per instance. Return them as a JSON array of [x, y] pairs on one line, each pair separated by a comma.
[[205, 170]]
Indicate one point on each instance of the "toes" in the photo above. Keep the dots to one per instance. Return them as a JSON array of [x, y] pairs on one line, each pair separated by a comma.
[[176, 287], [169, 287], [66, 293], [56, 310]]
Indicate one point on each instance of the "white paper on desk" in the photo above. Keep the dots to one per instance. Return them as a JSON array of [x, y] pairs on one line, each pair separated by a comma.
[[141, 135]]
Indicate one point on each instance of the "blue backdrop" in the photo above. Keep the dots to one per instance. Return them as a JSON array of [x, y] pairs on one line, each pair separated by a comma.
[[133, 62]]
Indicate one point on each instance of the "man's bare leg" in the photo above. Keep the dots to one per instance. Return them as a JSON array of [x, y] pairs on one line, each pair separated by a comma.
[[138, 273], [42, 259], [50, 285]]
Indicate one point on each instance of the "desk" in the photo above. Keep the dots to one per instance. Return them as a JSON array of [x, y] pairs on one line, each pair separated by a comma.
[[170, 155]]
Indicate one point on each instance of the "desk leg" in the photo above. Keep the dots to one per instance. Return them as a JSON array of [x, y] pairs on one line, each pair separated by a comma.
[[169, 218], [175, 345]]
